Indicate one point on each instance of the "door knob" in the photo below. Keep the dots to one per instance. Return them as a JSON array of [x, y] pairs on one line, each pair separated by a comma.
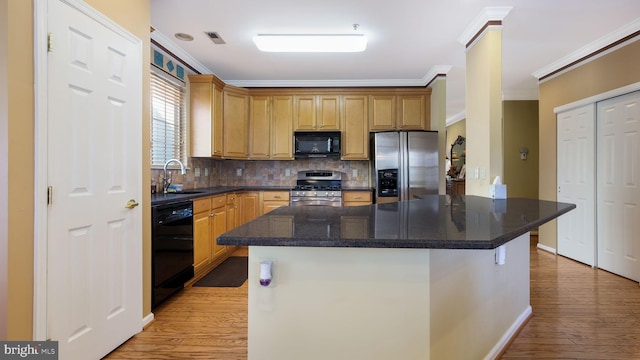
[[131, 204]]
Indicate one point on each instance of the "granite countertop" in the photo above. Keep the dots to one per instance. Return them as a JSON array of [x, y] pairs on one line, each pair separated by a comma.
[[434, 222], [191, 194]]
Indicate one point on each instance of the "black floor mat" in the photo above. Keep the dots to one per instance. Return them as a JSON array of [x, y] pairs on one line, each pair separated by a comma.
[[232, 272]]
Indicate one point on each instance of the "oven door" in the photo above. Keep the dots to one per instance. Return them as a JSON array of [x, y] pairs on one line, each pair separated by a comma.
[[316, 201]]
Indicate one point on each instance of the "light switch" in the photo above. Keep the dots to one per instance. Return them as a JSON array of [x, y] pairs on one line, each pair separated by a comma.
[[287, 172], [354, 172], [206, 171]]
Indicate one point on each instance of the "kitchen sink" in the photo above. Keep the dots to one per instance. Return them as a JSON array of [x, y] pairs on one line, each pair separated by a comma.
[[185, 192]]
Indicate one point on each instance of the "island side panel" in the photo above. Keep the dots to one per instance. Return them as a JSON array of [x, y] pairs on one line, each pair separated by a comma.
[[339, 303], [477, 305]]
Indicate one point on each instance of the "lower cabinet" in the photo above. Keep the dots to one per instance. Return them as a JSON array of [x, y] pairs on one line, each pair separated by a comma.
[[356, 198], [209, 221], [272, 200]]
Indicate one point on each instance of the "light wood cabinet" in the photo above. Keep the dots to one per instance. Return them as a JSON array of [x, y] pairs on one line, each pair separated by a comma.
[[250, 206], [355, 142], [282, 128], [316, 112], [412, 112], [218, 225], [205, 97], [272, 200], [304, 112], [382, 113], [259, 127], [236, 122], [328, 112], [399, 112], [201, 234], [209, 221], [356, 198], [234, 212]]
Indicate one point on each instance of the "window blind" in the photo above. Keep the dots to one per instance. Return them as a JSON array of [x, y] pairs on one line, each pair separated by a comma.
[[168, 122]]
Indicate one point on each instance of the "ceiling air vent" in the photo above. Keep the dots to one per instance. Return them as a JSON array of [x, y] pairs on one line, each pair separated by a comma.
[[215, 37]]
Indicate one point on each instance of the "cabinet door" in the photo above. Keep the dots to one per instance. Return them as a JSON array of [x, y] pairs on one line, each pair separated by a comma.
[[236, 118], [412, 112], [328, 113], [356, 198], [259, 127], [304, 112], [201, 241], [205, 104], [355, 145], [250, 206], [218, 117], [218, 227], [282, 128], [382, 113]]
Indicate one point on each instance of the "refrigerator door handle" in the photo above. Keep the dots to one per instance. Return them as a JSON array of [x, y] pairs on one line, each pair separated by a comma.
[[403, 173]]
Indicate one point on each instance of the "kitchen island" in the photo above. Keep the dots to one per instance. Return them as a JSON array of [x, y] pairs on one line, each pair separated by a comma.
[[436, 278]]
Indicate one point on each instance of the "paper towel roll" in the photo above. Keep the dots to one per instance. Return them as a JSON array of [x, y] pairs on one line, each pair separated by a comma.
[[265, 273]]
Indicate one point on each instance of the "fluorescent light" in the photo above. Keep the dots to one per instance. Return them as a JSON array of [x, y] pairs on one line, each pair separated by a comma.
[[311, 42]]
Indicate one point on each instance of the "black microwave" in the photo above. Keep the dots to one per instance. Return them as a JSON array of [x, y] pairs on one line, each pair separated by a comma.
[[308, 144]]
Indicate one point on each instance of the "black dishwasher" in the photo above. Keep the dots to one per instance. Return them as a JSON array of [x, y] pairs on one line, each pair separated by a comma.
[[171, 249]]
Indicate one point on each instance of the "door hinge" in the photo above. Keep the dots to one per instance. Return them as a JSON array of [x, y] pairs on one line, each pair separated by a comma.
[[49, 42], [49, 195]]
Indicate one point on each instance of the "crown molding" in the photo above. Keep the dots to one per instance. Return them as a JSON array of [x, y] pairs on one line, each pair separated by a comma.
[[434, 72], [589, 51], [478, 25], [171, 46], [455, 118]]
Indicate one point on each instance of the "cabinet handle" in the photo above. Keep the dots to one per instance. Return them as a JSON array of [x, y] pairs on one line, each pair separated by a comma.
[[358, 197], [276, 196]]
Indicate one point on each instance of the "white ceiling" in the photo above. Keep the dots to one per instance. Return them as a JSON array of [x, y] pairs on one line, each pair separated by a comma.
[[409, 40]]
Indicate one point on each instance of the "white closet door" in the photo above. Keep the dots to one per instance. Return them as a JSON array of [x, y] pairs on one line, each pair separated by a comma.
[[576, 177], [618, 185]]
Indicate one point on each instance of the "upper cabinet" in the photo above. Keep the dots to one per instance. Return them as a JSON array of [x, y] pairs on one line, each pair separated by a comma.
[[412, 112], [271, 127], [259, 127], [316, 112], [355, 142], [401, 111], [236, 122], [282, 128], [206, 115]]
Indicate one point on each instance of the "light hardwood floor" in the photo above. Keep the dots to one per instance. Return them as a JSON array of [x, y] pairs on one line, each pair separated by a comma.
[[578, 313]]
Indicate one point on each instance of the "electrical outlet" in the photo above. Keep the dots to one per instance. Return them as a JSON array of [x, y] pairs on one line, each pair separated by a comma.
[[287, 172], [206, 171], [354, 172], [196, 172], [239, 172]]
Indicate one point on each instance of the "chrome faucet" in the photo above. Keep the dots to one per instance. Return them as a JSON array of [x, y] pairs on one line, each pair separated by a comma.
[[166, 181]]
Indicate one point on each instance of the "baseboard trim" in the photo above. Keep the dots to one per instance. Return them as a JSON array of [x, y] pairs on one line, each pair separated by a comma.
[[501, 347], [547, 249], [148, 320]]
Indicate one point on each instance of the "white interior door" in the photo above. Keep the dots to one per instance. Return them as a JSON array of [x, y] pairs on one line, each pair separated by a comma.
[[618, 185], [94, 261], [576, 176]]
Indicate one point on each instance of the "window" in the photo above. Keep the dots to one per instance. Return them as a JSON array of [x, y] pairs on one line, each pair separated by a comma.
[[168, 121]]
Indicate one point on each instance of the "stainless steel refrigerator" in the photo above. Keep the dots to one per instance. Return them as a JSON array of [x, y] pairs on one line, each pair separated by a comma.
[[404, 164]]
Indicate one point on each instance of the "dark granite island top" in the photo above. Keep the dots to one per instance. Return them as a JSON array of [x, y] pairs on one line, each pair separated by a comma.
[[432, 222]]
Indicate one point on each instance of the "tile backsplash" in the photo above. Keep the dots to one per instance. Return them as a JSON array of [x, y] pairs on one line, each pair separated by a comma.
[[204, 172]]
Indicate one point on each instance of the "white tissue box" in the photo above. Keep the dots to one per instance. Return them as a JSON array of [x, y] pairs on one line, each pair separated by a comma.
[[498, 191]]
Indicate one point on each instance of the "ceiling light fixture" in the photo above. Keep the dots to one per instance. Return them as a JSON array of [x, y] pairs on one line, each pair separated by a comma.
[[311, 42], [183, 37]]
